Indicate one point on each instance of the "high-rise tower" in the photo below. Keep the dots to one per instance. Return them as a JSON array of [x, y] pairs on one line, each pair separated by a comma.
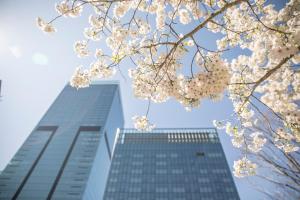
[[67, 155], [169, 164]]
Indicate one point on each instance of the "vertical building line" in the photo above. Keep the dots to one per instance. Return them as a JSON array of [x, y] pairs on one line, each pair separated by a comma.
[[41, 128], [63, 165], [61, 170], [107, 145], [115, 141]]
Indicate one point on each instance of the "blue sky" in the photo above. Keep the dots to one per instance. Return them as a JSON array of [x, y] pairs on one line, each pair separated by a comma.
[[35, 67]]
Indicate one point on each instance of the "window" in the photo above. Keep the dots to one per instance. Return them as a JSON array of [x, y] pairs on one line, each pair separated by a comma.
[[177, 171], [203, 180], [161, 189], [205, 189], [113, 180], [174, 155], [135, 189], [138, 155], [161, 155], [178, 189], [135, 180], [200, 154], [161, 163], [137, 163], [161, 171], [229, 189], [111, 189], [136, 171], [73, 193], [76, 186]]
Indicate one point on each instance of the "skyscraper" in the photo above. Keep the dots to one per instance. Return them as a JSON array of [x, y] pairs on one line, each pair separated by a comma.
[[67, 155], [169, 164]]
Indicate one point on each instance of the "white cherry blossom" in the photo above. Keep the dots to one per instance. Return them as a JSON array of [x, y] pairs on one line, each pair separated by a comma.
[[80, 47], [80, 78], [92, 33], [219, 124], [44, 26], [99, 69], [142, 123], [257, 142], [284, 140], [244, 167], [68, 9], [238, 139], [98, 53], [184, 16], [96, 22]]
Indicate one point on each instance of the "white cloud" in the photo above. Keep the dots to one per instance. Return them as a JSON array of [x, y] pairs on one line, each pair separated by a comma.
[[15, 51], [39, 58]]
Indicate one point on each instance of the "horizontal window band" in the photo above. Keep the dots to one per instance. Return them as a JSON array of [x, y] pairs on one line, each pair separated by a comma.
[[89, 128]]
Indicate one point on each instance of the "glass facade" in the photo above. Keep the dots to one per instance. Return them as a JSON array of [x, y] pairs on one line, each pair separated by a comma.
[[62, 156], [169, 164]]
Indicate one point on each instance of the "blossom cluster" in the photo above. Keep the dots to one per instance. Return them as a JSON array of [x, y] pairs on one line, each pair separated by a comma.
[[156, 74], [142, 123], [267, 74], [257, 142], [80, 78], [189, 91], [283, 140], [68, 9], [244, 167], [44, 26]]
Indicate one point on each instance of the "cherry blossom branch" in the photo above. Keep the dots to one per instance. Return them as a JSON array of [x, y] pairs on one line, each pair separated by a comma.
[[267, 75], [200, 26], [68, 11], [258, 19]]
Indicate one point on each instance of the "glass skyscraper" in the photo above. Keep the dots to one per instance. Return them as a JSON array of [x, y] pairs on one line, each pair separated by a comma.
[[67, 155], [169, 164]]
